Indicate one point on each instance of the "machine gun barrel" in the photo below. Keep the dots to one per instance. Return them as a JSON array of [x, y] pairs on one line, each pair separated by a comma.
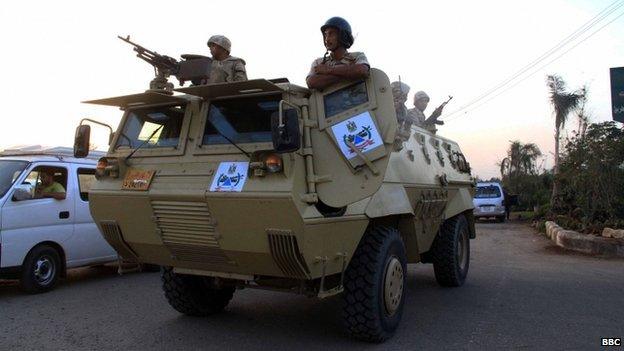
[[160, 62]]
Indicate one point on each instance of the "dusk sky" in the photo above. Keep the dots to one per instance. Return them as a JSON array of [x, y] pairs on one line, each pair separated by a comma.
[[56, 54]]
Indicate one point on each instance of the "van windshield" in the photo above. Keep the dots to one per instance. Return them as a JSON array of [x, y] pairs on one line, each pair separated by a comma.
[[242, 120], [154, 126], [9, 171], [489, 191]]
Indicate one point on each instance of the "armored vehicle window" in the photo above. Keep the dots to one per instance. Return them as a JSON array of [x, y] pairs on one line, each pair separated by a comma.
[[345, 98], [243, 120], [484, 192], [9, 171], [159, 126]]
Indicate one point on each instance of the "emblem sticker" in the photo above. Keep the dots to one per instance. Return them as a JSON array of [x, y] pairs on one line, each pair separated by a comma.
[[358, 130], [230, 176]]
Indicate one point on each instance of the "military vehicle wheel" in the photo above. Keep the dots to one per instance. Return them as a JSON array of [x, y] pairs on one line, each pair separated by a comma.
[[450, 252], [41, 270], [374, 285], [194, 295]]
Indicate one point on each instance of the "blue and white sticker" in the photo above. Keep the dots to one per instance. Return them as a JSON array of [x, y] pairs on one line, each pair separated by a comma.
[[358, 130], [230, 177]]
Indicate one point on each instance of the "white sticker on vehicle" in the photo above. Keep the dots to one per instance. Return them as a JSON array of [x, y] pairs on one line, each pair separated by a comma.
[[359, 131], [230, 176]]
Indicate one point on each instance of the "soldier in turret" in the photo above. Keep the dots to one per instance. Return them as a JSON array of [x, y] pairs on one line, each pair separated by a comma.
[[338, 64], [417, 114], [225, 68], [399, 94]]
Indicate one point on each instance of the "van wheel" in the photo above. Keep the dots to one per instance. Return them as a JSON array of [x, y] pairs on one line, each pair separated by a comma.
[[41, 270], [374, 286], [194, 295], [450, 252], [500, 219]]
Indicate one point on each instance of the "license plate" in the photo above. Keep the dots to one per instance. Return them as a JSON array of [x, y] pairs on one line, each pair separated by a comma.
[[137, 179], [487, 209]]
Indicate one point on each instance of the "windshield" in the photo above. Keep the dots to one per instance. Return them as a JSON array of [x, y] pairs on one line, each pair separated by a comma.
[[164, 122], [242, 120], [9, 171], [489, 191]]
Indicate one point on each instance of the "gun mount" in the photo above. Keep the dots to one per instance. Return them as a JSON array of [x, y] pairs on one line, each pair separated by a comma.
[[193, 68]]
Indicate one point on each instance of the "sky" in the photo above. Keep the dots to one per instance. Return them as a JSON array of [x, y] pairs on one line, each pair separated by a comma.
[[57, 54]]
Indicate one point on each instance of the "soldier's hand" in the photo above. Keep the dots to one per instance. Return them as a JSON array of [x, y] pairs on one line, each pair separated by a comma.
[[321, 69]]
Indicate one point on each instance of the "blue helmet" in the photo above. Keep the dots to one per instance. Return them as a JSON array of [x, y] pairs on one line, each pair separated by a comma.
[[344, 30]]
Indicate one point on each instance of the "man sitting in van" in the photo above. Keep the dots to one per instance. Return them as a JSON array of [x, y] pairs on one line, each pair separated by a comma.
[[49, 187]]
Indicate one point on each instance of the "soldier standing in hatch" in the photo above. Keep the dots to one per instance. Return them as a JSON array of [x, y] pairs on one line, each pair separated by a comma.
[[417, 114], [338, 64], [225, 68], [399, 94]]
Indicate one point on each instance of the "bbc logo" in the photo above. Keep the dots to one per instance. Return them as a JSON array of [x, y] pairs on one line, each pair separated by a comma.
[[611, 341]]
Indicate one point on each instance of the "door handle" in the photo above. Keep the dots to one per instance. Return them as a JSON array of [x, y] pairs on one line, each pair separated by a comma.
[[64, 214]]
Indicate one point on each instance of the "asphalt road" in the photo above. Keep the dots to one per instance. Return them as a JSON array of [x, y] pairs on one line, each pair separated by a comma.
[[521, 293]]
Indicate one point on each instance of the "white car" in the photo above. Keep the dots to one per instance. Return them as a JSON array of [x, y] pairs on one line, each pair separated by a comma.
[[489, 201], [44, 234]]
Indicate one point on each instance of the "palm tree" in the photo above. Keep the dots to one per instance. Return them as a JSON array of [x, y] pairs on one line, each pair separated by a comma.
[[563, 102], [520, 161]]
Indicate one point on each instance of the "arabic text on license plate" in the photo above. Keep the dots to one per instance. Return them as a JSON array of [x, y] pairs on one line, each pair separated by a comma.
[[137, 179]]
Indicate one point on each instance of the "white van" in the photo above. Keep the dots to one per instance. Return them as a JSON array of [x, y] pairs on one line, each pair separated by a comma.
[[489, 201], [44, 231]]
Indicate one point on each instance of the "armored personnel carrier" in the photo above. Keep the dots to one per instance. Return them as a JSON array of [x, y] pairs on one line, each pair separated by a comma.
[[266, 184]]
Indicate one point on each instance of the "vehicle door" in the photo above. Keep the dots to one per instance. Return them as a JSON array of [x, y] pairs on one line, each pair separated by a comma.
[[353, 142], [32, 219], [87, 245]]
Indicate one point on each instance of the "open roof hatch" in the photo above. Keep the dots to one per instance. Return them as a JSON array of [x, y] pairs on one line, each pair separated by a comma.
[[143, 99], [212, 91]]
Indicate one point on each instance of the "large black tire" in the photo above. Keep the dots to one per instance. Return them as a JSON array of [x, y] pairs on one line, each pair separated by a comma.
[[41, 270], [500, 219], [374, 284], [450, 252], [194, 295]]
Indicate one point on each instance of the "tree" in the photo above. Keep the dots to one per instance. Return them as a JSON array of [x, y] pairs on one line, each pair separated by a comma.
[[521, 161], [591, 177], [519, 173], [563, 103]]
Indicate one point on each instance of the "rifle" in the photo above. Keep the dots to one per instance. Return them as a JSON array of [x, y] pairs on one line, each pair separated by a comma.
[[195, 68], [438, 110]]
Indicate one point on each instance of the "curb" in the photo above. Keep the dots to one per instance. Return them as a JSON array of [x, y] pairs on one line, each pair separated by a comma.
[[584, 243]]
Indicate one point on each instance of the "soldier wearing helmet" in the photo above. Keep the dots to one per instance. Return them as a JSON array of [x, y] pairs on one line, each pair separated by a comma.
[[338, 64], [399, 94], [417, 114], [225, 68]]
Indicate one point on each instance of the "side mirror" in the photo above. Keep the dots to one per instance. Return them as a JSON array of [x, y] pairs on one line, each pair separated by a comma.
[[285, 129], [22, 192], [82, 140]]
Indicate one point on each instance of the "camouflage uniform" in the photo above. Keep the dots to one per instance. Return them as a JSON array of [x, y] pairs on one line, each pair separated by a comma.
[[399, 94], [417, 117], [231, 69], [350, 58]]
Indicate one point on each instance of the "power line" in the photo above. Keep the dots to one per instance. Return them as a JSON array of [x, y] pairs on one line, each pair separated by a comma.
[[571, 37], [541, 67]]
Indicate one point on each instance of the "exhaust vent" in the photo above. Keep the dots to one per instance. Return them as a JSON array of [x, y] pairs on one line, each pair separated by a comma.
[[112, 233], [189, 232], [286, 254]]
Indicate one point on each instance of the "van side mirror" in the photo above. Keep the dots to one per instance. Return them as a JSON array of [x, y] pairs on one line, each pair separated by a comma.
[[82, 141], [285, 129], [22, 192]]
